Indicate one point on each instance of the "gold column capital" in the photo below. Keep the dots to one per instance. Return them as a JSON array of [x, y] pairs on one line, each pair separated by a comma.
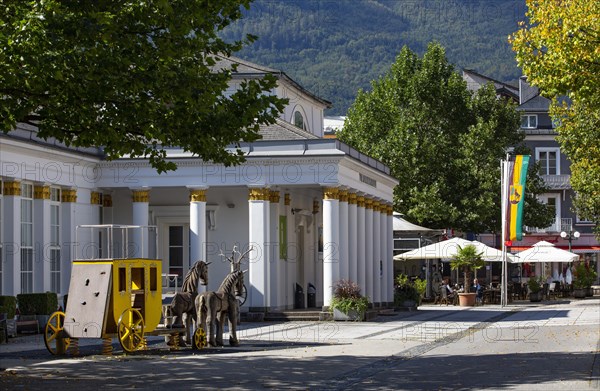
[[360, 200], [343, 195], [41, 192], [259, 194], [330, 193], [95, 198], [197, 195], [376, 206], [107, 201], [352, 198], [274, 196], [68, 195], [390, 209], [11, 188], [286, 199], [142, 195], [368, 203]]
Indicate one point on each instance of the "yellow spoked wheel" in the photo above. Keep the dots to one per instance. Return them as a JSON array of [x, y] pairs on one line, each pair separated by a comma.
[[54, 335], [199, 340], [131, 330]]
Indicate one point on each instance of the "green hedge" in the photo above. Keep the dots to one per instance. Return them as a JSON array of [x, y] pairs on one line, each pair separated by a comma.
[[37, 303], [8, 305]]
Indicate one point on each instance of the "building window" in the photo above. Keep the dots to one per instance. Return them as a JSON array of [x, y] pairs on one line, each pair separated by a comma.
[[299, 120], [176, 252], [529, 121], [55, 239], [26, 238], [549, 160]]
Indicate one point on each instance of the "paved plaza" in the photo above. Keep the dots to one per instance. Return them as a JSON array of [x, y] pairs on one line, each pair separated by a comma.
[[550, 346]]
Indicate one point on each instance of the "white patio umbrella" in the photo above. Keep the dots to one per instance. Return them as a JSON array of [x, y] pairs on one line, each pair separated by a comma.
[[446, 249], [544, 252]]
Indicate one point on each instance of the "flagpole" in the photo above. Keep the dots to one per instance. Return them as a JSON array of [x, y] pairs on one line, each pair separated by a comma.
[[504, 206]]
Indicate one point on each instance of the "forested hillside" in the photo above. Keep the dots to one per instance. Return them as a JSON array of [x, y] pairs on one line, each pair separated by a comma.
[[335, 47]]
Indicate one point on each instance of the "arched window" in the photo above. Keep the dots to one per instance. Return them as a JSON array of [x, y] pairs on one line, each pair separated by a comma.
[[299, 120]]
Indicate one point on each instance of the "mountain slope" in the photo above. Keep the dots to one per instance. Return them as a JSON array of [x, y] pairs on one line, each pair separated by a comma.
[[335, 47]]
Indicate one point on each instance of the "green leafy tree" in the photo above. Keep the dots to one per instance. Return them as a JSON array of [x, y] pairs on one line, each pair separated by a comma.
[[558, 51], [443, 143], [132, 77]]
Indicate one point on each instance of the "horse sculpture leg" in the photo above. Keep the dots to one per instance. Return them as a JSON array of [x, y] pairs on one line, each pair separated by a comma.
[[233, 319], [220, 327]]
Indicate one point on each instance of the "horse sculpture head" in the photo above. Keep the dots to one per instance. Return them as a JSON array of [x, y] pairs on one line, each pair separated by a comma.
[[197, 273], [239, 284]]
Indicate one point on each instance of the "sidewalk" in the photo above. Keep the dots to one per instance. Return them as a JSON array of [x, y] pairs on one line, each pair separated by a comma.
[[548, 346]]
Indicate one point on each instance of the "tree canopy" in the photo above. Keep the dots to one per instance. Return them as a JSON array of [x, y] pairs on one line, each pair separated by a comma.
[[132, 77], [442, 142], [559, 51]]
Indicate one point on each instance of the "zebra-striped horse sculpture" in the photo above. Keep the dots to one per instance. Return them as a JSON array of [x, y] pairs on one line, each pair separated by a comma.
[[214, 306], [183, 302]]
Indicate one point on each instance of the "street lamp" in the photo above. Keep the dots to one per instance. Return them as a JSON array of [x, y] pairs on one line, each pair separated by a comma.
[[570, 236]]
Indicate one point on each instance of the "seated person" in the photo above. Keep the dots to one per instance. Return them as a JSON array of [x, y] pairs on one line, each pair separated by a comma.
[[478, 289], [448, 287]]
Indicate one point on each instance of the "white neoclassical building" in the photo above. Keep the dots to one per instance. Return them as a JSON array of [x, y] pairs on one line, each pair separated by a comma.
[[313, 210]]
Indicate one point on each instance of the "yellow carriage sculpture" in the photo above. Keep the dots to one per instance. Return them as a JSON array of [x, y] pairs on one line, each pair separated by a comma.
[[111, 297]]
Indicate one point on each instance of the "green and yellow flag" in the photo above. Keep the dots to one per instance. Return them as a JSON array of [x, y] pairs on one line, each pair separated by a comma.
[[517, 173]]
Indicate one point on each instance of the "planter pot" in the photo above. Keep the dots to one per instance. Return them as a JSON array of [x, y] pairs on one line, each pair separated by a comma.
[[579, 293], [589, 292], [466, 299], [406, 305], [350, 316], [536, 297]]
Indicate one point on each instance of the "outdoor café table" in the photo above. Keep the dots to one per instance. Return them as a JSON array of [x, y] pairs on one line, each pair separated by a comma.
[[491, 295]]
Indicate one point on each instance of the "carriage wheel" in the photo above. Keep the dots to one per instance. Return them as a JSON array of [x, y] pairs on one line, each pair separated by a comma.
[[54, 334], [242, 298], [131, 330], [199, 340]]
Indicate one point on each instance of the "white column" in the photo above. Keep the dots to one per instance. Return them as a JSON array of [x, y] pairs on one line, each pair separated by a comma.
[[258, 234], [343, 227], [369, 248], [384, 255], [286, 287], [197, 224], [352, 238], [68, 249], [198, 227], [377, 261], [138, 246], [41, 233], [274, 262], [361, 259], [390, 252], [11, 218], [331, 237]]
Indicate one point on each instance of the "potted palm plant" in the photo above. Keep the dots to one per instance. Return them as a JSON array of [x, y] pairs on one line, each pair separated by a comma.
[[467, 259], [347, 303]]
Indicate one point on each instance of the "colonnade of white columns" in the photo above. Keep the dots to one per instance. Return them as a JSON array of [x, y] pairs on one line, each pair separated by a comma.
[[358, 245]]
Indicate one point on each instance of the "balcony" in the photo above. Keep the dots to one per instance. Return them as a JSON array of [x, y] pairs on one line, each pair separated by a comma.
[[557, 182], [565, 224]]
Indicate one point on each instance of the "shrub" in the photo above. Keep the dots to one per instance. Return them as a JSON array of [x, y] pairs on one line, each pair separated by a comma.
[[407, 290], [584, 276], [347, 297], [37, 303], [535, 284], [8, 305]]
